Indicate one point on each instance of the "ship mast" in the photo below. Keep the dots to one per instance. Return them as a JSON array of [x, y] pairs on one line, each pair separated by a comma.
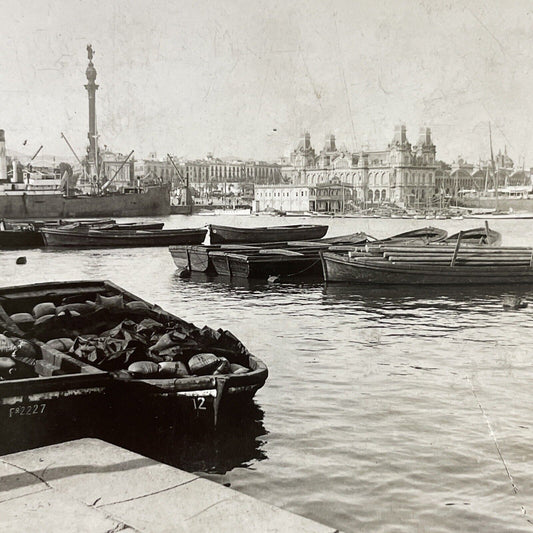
[[494, 174]]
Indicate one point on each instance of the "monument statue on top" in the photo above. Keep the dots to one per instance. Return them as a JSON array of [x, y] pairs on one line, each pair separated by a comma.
[[91, 87]]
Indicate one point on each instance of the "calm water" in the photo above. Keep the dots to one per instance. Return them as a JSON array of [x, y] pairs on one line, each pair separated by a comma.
[[386, 409]]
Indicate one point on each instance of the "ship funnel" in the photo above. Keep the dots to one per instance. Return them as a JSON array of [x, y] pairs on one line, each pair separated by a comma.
[[3, 159]]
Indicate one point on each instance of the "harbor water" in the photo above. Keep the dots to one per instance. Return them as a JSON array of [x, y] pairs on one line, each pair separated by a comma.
[[386, 409]]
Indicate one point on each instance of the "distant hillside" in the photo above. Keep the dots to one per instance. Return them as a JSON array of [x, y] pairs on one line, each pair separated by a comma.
[[45, 160]]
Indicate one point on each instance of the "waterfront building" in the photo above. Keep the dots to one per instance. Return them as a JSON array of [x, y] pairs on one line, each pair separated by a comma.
[[332, 197], [401, 173], [281, 197], [209, 170]]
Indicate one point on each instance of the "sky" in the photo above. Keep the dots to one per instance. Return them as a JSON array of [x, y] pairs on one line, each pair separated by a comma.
[[245, 78]]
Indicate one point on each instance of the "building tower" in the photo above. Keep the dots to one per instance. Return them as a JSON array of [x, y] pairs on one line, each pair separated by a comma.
[[92, 156]]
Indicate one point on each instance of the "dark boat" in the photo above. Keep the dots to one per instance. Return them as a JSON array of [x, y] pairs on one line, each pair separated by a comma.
[[275, 262], [135, 226], [45, 395], [19, 236], [300, 232], [422, 236], [430, 265], [486, 236], [96, 238], [200, 258], [197, 258], [143, 356]]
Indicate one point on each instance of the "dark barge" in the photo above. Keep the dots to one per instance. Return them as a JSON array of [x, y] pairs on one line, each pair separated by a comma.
[[90, 347]]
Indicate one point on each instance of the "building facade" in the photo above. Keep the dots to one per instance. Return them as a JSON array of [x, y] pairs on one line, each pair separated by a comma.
[[402, 173], [281, 198], [333, 197]]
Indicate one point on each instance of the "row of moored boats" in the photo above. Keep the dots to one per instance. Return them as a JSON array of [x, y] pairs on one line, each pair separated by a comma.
[[423, 256]]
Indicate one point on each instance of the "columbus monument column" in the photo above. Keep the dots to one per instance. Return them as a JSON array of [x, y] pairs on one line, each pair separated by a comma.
[[92, 158]]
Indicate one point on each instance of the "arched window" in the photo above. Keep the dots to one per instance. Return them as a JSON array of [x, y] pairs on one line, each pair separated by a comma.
[[383, 195]]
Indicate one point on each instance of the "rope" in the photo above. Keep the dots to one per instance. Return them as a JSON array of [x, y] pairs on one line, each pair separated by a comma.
[[493, 435], [304, 270], [513, 484]]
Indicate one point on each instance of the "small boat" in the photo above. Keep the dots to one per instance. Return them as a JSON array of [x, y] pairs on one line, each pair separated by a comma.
[[436, 264], [486, 236], [280, 258], [265, 263], [93, 336], [422, 235], [197, 258], [477, 236], [135, 226], [23, 235], [26, 234], [44, 394], [298, 232], [95, 238]]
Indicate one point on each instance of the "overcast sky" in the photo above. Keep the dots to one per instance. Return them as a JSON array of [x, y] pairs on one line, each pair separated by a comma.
[[245, 77]]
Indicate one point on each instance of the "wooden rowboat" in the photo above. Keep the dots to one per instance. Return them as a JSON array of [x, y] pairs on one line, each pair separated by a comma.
[[280, 262], [114, 342], [261, 260], [15, 235], [421, 235], [429, 267], [94, 238], [298, 232], [485, 235]]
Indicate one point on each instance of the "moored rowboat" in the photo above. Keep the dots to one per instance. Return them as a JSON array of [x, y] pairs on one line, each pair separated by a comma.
[[142, 354], [421, 236], [69, 237], [298, 232], [484, 236], [425, 267]]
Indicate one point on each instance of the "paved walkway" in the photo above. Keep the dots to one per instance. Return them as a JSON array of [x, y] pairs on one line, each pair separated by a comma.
[[90, 486]]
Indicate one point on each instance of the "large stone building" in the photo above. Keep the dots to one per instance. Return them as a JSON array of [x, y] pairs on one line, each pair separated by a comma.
[[208, 171], [402, 173]]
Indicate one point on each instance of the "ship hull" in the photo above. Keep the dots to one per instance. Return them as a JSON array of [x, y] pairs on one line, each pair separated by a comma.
[[155, 201]]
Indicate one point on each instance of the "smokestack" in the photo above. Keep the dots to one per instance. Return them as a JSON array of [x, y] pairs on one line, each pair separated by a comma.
[[3, 160]]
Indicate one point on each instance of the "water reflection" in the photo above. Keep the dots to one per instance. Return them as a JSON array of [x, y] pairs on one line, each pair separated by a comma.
[[375, 295], [227, 283]]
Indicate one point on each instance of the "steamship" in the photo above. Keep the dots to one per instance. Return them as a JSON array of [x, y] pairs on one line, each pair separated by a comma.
[[29, 192]]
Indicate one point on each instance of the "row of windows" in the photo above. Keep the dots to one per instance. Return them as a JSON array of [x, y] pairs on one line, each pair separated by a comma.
[[269, 194]]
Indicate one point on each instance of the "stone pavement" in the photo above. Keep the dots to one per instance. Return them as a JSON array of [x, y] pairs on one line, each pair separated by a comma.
[[91, 486]]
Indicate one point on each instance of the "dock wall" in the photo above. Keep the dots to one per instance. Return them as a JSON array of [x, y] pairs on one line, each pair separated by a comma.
[[92, 486]]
